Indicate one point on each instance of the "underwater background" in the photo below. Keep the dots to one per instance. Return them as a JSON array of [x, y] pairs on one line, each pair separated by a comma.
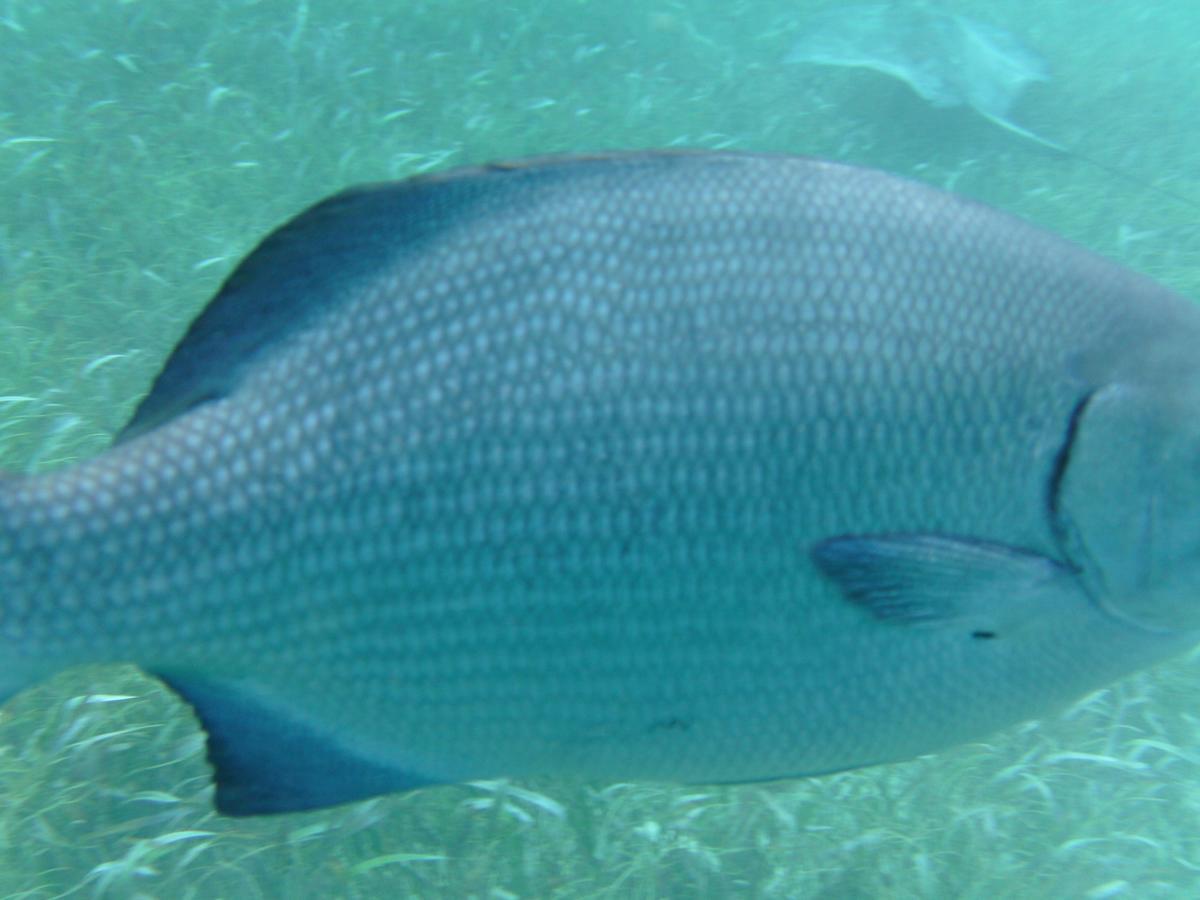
[[146, 146]]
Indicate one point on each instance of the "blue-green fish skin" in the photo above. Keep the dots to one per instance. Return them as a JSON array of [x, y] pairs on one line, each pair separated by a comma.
[[688, 466]]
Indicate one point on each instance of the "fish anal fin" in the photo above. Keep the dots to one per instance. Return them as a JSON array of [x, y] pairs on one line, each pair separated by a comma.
[[267, 759], [987, 589]]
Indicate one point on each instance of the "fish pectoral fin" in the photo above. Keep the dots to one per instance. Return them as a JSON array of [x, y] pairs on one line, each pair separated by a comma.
[[268, 759], [985, 588]]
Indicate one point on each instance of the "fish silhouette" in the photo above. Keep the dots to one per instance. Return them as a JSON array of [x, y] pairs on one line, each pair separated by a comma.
[[704, 466]]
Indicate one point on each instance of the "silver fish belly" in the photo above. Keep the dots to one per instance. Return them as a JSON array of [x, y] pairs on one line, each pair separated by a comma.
[[688, 466]]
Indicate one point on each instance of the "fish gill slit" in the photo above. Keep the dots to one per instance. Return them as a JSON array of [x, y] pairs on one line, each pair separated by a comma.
[[1060, 526]]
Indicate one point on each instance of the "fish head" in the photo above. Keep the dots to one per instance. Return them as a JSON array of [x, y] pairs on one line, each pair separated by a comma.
[[1127, 505]]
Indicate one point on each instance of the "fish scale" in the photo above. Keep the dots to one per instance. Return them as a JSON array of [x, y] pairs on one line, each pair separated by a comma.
[[691, 466]]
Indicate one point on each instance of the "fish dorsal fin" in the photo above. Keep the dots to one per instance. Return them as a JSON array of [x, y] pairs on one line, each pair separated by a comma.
[[310, 266], [298, 272]]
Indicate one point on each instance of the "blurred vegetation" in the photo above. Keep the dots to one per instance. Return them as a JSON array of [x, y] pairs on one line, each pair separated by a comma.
[[145, 146]]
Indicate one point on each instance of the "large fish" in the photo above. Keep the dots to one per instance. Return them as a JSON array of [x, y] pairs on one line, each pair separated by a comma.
[[689, 466]]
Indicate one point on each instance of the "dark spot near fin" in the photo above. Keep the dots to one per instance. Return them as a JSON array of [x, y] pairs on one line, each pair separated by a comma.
[[672, 724], [983, 635], [267, 760]]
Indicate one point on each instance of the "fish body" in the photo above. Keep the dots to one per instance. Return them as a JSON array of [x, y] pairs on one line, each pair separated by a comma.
[[686, 466]]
